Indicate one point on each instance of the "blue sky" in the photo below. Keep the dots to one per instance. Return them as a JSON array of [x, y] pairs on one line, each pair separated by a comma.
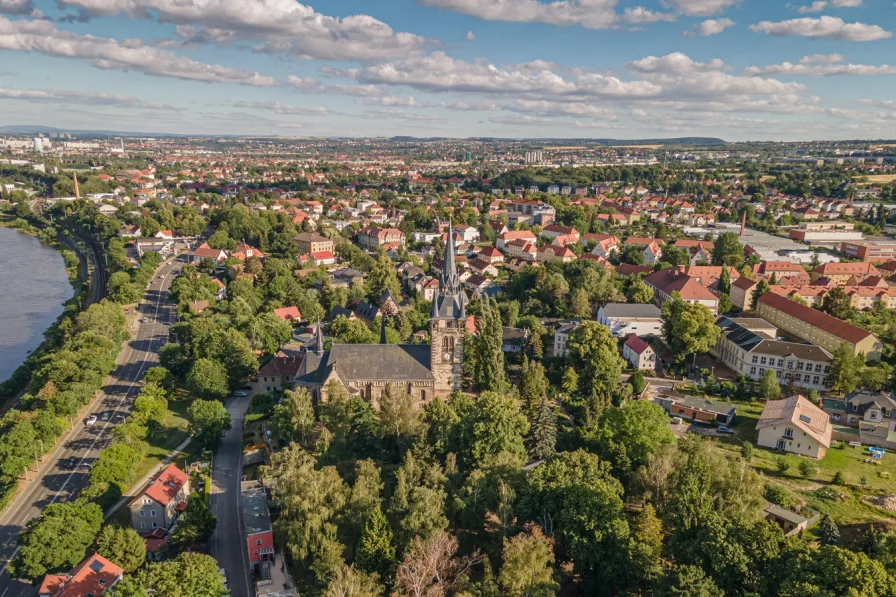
[[739, 70]]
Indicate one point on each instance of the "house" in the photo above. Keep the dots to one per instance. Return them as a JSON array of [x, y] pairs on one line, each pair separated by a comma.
[[323, 257], [817, 327], [514, 339], [843, 274], [792, 523], [479, 286], [256, 522], [220, 289], [491, 255], [689, 288], [750, 347], [696, 409], [166, 234], [521, 249], [290, 314], [129, 231], [605, 245], [639, 354], [481, 266], [203, 251], [346, 277], [650, 247], [467, 234], [310, 242], [872, 413], [160, 503], [561, 336], [373, 237], [742, 292], [795, 425], [549, 252], [162, 246], [625, 319], [513, 235], [560, 235], [91, 578]]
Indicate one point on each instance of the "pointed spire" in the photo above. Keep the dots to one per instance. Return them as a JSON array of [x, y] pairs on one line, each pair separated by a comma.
[[319, 343], [449, 281]]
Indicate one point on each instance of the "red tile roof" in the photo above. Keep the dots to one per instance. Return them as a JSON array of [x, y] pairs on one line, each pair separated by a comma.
[[166, 485], [841, 329], [854, 268], [636, 344], [92, 576], [288, 313]]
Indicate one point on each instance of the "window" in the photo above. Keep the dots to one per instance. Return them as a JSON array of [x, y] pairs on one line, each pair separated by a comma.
[[152, 513], [142, 513], [142, 524], [762, 361], [817, 368], [799, 366], [155, 524], [780, 362], [752, 370], [255, 552], [815, 380], [799, 377], [788, 432], [836, 417], [790, 364], [258, 542], [755, 359]]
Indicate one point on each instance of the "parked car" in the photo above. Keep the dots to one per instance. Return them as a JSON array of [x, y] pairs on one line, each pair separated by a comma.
[[725, 429], [68, 463], [106, 416], [91, 421], [241, 394]]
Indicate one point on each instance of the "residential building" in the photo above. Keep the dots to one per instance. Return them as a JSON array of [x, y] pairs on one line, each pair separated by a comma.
[[639, 354], [844, 273], [742, 293], [512, 235], [203, 251], [873, 252], [605, 245], [278, 373], [514, 339], [817, 327], [561, 335], [373, 237], [521, 249], [549, 252], [91, 578], [483, 267], [560, 234], [323, 258], [689, 288], [491, 254], [162, 246], [625, 319], [750, 348], [696, 409], [310, 242], [872, 413], [160, 503], [129, 231], [795, 425], [651, 247], [256, 522], [289, 314]]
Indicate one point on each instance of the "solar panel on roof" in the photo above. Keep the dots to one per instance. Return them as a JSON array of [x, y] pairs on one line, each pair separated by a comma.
[[805, 419]]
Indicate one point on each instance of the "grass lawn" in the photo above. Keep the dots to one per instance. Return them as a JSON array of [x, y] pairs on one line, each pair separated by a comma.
[[844, 503]]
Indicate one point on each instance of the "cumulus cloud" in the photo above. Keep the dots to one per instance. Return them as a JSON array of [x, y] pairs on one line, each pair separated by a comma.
[[470, 36], [392, 101], [91, 98], [555, 108], [280, 108], [820, 5], [676, 62], [817, 69], [824, 27], [641, 15], [20, 8], [821, 58], [310, 85], [282, 26], [881, 103], [130, 54], [591, 14], [699, 8], [710, 27]]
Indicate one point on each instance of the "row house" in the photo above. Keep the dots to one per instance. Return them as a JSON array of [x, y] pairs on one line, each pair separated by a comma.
[[513, 235], [843, 273], [521, 249], [372, 238]]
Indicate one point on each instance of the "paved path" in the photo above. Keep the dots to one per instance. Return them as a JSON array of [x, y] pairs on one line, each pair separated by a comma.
[[52, 483], [228, 544]]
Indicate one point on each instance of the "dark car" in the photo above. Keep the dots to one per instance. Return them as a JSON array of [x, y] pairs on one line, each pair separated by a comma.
[[68, 463]]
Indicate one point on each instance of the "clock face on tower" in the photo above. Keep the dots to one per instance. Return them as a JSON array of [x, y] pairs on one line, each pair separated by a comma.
[[446, 356]]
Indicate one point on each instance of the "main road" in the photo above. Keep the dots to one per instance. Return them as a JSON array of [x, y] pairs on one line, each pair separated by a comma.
[[53, 483]]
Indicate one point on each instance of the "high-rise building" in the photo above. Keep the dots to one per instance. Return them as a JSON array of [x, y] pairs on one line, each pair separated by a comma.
[[38, 145]]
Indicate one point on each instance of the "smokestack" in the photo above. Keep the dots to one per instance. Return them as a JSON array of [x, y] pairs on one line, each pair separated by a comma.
[[743, 223], [77, 191]]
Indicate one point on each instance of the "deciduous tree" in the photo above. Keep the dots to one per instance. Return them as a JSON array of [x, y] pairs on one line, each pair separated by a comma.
[[528, 569], [123, 546], [209, 421]]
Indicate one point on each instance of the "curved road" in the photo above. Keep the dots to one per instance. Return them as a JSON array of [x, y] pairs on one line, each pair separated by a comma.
[[52, 483]]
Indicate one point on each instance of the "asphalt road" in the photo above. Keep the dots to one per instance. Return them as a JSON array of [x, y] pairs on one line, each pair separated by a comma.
[[228, 544], [55, 484]]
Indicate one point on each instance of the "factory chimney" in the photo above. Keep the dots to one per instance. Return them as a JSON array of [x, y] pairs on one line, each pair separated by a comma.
[[743, 223], [77, 191]]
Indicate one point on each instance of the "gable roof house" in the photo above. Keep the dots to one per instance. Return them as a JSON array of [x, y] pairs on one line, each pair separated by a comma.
[[795, 425], [91, 578], [160, 502], [670, 280]]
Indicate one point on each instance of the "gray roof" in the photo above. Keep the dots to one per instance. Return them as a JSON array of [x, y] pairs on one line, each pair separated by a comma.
[[759, 343], [370, 362], [256, 516], [864, 400], [701, 404], [617, 310]]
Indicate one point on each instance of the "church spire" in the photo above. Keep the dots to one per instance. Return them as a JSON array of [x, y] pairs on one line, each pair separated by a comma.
[[319, 339], [451, 300], [449, 281]]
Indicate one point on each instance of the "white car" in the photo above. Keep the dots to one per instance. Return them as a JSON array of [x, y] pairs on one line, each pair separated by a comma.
[[240, 394], [91, 421]]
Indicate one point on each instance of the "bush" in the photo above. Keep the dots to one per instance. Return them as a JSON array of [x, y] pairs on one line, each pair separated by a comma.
[[783, 465], [779, 495], [838, 479], [806, 468], [826, 493], [746, 450]]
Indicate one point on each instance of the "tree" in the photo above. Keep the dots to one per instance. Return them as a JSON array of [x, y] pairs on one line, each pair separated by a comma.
[[632, 254], [57, 540], [190, 574], [208, 378], [160, 376], [636, 379], [877, 377], [485, 346], [375, 552], [646, 545], [746, 451], [528, 565], [724, 284], [806, 468], [762, 288], [209, 421], [837, 304], [593, 354], [195, 526], [832, 570], [383, 276], [725, 304], [399, 416], [533, 384], [628, 435], [638, 291], [294, 416], [768, 385], [418, 501], [688, 328], [542, 441], [123, 546], [689, 581], [430, 566], [845, 368], [121, 290], [727, 250], [497, 425], [352, 582], [580, 304], [570, 382], [828, 533]]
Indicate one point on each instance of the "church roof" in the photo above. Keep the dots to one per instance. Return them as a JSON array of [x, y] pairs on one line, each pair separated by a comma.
[[370, 362]]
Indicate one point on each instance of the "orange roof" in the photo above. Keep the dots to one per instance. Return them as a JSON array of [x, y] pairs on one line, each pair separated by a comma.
[[841, 329], [636, 344], [164, 487], [287, 313], [91, 577], [853, 268]]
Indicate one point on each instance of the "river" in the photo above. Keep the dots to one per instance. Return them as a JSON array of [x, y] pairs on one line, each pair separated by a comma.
[[33, 287]]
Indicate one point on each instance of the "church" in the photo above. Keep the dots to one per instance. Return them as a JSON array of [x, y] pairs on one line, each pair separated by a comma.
[[424, 371]]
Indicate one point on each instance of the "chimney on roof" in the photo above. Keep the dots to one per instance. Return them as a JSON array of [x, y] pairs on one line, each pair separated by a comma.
[[743, 223]]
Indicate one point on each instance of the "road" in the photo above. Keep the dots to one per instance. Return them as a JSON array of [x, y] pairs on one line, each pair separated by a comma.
[[53, 483], [228, 544]]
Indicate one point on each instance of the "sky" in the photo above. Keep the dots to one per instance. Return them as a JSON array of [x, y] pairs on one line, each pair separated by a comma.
[[624, 69]]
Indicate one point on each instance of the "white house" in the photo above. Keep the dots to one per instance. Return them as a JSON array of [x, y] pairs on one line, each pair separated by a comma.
[[561, 335], [639, 354], [625, 319], [795, 425]]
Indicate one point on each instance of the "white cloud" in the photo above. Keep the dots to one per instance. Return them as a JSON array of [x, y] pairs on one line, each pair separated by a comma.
[[283, 26], [91, 98], [881, 103], [813, 68], [391, 101], [130, 54], [405, 115], [824, 27], [555, 108], [711, 27], [591, 14], [641, 15], [470, 36], [309, 85], [280, 108], [676, 62], [699, 8], [525, 120], [820, 5], [821, 58], [20, 8]]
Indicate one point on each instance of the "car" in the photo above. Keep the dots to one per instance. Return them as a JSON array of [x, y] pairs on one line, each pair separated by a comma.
[[725, 429], [106, 416], [68, 463], [91, 421], [144, 320], [223, 574], [241, 394]]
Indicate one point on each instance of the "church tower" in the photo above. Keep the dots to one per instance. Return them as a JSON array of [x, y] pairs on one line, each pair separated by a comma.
[[446, 325]]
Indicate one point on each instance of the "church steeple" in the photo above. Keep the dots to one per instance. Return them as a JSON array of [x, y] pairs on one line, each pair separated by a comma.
[[451, 301], [448, 280], [319, 339]]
